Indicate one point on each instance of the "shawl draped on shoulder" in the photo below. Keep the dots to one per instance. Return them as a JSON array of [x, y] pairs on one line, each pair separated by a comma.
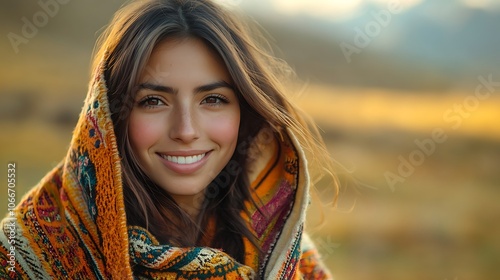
[[73, 225]]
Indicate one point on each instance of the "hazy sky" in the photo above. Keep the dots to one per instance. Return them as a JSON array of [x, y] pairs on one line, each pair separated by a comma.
[[344, 9]]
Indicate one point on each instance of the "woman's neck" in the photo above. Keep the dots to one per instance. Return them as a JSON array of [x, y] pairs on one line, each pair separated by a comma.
[[191, 204]]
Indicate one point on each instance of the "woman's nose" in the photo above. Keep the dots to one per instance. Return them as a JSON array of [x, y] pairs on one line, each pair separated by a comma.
[[184, 127]]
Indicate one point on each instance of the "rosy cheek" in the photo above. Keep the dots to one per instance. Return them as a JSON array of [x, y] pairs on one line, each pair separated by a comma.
[[143, 132], [224, 129]]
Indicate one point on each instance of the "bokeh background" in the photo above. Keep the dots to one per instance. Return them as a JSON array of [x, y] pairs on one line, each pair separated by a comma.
[[380, 77]]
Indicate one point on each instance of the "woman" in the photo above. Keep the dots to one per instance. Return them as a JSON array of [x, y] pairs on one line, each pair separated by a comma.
[[187, 161]]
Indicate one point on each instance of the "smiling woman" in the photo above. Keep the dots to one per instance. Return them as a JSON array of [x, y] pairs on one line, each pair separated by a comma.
[[184, 129], [188, 161]]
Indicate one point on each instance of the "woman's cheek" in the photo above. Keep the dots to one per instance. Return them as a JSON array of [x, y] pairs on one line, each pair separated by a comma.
[[224, 128], [144, 130]]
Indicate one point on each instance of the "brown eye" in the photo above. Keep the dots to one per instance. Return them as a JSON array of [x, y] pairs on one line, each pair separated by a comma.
[[211, 100], [151, 102], [215, 100]]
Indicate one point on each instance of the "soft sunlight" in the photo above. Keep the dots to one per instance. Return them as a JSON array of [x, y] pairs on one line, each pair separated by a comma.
[[479, 4], [334, 9]]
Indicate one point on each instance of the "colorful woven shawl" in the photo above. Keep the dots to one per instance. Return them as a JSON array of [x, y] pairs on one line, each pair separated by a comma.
[[72, 225]]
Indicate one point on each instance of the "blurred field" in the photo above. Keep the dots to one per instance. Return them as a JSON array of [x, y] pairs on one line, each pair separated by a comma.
[[441, 222]]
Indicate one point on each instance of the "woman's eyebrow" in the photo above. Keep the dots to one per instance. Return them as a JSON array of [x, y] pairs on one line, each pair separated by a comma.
[[160, 88], [212, 86], [200, 89]]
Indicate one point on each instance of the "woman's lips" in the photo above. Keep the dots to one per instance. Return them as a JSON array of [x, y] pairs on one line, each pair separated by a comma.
[[184, 159], [184, 162]]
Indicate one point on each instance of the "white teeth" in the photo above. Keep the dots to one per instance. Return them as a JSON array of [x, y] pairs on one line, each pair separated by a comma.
[[184, 160]]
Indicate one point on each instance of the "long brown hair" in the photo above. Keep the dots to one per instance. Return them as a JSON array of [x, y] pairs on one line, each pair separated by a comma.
[[125, 47]]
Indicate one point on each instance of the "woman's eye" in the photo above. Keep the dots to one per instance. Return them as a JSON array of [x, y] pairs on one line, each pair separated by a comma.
[[151, 102], [215, 100]]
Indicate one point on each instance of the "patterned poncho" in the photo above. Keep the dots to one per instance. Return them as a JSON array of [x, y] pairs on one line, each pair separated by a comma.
[[73, 225]]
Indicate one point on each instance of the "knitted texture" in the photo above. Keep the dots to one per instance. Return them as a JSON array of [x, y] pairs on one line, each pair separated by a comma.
[[72, 225]]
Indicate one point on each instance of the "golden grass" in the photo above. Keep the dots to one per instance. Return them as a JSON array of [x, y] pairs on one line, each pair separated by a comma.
[[408, 111]]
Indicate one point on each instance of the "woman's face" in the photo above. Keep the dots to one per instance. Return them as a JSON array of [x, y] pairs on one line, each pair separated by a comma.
[[183, 127]]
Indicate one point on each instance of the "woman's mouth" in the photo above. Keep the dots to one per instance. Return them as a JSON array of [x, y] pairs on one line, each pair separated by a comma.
[[184, 159], [184, 162]]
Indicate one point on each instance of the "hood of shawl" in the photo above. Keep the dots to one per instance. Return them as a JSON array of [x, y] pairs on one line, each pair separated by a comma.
[[92, 182], [92, 178]]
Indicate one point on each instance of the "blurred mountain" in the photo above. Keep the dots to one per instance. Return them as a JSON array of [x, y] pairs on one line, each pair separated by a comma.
[[445, 32], [435, 45]]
